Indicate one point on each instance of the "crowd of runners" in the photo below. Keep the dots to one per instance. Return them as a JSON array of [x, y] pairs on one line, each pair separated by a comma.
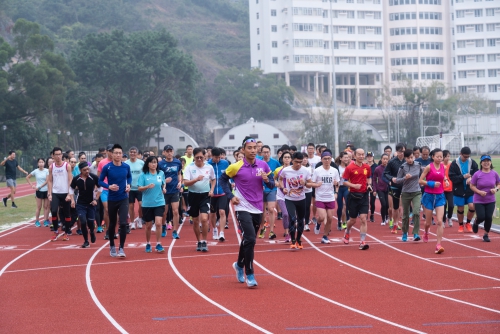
[[118, 191]]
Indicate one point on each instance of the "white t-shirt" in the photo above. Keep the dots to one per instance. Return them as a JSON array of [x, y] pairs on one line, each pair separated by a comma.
[[296, 191], [192, 172], [326, 192], [341, 171], [313, 161], [41, 177]]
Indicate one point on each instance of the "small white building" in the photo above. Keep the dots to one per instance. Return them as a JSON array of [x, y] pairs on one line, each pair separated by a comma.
[[169, 135], [266, 133]]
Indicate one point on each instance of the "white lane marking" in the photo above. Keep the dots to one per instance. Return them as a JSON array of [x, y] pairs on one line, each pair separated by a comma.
[[397, 282], [320, 296], [470, 289], [199, 293], [94, 297], [7, 227], [20, 256]]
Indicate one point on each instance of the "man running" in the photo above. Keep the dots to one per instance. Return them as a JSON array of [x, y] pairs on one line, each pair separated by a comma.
[[172, 168], [248, 175], [269, 195], [391, 173], [118, 178], [313, 161], [105, 192], [11, 165], [357, 176], [134, 194], [218, 201]]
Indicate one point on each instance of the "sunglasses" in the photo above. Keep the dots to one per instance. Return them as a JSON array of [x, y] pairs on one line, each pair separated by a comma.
[[199, 158]]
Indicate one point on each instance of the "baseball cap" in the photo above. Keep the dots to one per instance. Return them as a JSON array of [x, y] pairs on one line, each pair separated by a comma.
[[109, 147], [125, 155], [369, 154], [485, 157], [168, 147]]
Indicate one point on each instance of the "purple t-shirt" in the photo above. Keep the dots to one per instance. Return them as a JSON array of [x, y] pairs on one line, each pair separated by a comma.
[[485, 182]]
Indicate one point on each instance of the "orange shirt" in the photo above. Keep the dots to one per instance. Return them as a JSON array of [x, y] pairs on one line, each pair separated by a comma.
[[446, 170]]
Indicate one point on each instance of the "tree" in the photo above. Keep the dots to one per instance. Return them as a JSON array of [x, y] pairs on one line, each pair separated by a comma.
[[249, 93], [133, 83]]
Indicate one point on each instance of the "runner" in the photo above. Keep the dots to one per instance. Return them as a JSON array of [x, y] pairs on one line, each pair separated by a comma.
[[380, 188], [308, 192], [41, 174], [434, 198], [461, 171], [218, 202], [342, 210], [118, 178], [11, 165], [134, 194], [390, 173], [172, 169], [326, 180], [248, 175], [152, 184], [373, 196], [416, 152], [357, 176], [485, 184], [286, 159], [409, 175], [269, 195], [105, 192], [313, 160], [297, 178], [200, 179], [448, 190], [58, 193], [86, 184]]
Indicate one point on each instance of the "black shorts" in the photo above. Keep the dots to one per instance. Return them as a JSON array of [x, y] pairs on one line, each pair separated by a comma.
[[171, 198], [134, 195], [396, 195], [218, 203], [358, 205], [198, 203], [41, 194], [149, 214]]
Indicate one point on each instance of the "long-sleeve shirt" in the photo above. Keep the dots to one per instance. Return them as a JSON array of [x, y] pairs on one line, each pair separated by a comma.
[[391, 170], [410, 185], [379, 183], [119, 175]]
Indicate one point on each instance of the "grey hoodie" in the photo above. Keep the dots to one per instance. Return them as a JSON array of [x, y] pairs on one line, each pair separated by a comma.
[[411, 185]]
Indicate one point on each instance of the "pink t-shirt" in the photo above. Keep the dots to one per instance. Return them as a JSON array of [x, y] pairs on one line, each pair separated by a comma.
[[436, 176], [485, 182], [101, 165]]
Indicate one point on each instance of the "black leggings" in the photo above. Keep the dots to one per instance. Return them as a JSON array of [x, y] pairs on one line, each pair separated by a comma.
[[59, 201], [383, 197], [484, 213], [448, 205], [307, 214], [249, 224], [118, 208], [372, 203], [296, 212]]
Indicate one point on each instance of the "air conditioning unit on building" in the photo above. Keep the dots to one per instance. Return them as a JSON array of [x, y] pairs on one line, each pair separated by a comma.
[[285, 26], [284, 10], [469, 11], [285, 42], [471, 57], [286, 58], [471, 73]]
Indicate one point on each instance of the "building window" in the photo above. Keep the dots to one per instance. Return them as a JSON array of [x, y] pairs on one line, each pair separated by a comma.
[[254, 135], [276, 135], [274, 44], [274, 28], [231, 137], [182, 138], [369, 132], [273, 12], [258, 31], [258, 46], [275, 60], [257, 14]]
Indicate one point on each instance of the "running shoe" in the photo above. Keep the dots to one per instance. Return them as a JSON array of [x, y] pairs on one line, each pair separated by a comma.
[[293, 245], [221, 236], [344, 226], [391, 224], [404, 238], [450, 223], [153, 228], [37, 224], [398, 226], [92, 238], [363, 246], [325, 240], [51, 228], [5, 201], [372, 218], [416, 237], [433, 222], [317, 227], [468, 227], [287, 238], [163, 231], [475, 227], [426, 237], [112, 251], [215, 234], [159, 248], [65, 237], [175, 235], [106, 236], [299, 245], [204, 247], [262, 232], [139, 223], [411, 215], [169, 226], [198, 246], [190, 220], [439, 249], [79, 232], [251, 282], [345, 239], [272, 235], [121, 253], [239, 230], [339, 227], [314, 221], [306, 228], [14, 206], [226, 227], [99, 229], [69, 233], [394, 230], [486, 238], [133, 224], [148, 248], [383, 223], [461, 228], [280, 216], [117, 234], [56, 236], [266, 224], [46, 223], [239, 273], [86, 244], [128, 228]]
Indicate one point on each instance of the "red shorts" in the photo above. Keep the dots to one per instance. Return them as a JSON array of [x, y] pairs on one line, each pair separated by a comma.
[[325, 205]]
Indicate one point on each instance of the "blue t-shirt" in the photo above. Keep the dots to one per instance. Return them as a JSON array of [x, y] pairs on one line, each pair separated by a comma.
[[219, 169], [171, 169], [119, 175], [424, 163], [152, 198], [135, 170], [273, 164], [464, 166]]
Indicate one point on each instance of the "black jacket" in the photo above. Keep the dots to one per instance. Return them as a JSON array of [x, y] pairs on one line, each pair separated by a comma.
[[456, 177], [391, 170]]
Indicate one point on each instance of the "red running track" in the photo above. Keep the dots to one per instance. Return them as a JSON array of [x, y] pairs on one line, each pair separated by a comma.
[[393, 287], [21, 190]]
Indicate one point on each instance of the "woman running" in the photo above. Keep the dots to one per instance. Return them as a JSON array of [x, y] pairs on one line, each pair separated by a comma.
[[380, 188], [485, 184], [285, 160], [40, 174], [308, 192], [344, 160], [448, 191], [433, 179], [152, 185]]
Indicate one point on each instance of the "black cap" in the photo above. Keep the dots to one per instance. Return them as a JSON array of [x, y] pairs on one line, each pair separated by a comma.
[[109, 147], [125, 155], [369, 154], [168, 147]]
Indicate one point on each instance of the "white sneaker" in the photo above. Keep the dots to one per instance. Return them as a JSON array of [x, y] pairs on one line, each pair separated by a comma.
[[132, 225], [139, 222], [153, 229], [216, 234], [306, 228], [221, 236], [383, 223]]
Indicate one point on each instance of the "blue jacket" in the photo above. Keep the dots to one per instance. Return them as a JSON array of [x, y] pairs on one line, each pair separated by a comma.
[[219, 169]]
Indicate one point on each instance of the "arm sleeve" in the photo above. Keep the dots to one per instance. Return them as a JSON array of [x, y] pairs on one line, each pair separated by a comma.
[[224, 182], [104, 174], [129, 176]]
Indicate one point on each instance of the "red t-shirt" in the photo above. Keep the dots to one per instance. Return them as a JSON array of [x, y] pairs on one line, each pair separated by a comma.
[[357, 175]]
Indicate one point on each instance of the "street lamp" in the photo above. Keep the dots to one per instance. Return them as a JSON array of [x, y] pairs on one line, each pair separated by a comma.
[[58, 134], [4, 128], [81, 146], [48, 132], [109, 138]]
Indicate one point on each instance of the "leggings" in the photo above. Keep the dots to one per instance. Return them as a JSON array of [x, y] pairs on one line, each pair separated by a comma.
[[296, 211], [448, 206], [484, 213], [341, 197], [372, 203], [383, 197], [59, 201], [118, 208], [286, 222], [86, 215], [308, 207], [249, 224]]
